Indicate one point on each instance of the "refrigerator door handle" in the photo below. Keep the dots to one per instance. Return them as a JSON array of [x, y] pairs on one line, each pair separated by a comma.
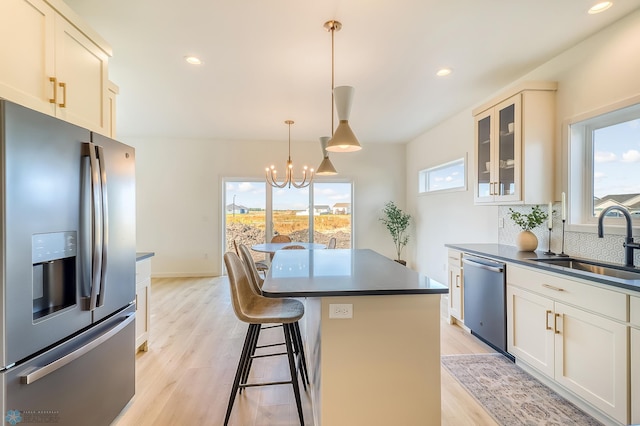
[[95, 224], [72, 356], [104, 224]]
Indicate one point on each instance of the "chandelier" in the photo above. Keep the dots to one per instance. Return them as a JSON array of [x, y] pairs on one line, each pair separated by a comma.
[[271, 173], [343, 140]]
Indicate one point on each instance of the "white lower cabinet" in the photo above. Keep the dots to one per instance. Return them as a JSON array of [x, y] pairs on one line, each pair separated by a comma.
[[143, 299], [635, 360], [530, 335], [456, 294], [580, 348]]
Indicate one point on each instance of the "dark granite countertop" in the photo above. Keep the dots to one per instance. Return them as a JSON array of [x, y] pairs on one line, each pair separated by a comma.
[[513, 255], [360, 272], [144, 255]]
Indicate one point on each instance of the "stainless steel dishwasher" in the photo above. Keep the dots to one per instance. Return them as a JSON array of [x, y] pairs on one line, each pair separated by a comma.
[[485, 303]]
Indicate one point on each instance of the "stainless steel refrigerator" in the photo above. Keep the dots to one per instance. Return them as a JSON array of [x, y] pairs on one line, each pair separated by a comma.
[[67, 267]]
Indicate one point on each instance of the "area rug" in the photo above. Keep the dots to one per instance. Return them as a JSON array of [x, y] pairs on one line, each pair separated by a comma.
[[510, 395]]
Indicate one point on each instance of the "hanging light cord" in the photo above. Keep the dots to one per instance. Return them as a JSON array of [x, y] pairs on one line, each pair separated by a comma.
[[333, 30]]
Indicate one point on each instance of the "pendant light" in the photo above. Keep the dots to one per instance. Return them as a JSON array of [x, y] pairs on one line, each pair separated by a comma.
[[326, 167], [343, 140], [271, 173]]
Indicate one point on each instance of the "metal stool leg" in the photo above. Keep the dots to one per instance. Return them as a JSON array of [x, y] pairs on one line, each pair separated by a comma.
[[303, 359], [288, 332], [244, 356], [252, 351]]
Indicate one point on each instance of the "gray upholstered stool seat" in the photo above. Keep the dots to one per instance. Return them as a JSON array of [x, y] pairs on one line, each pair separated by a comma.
[[256, 310]]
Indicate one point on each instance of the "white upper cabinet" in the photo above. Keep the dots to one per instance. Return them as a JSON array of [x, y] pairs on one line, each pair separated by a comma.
[[514, 142], [53, 63]]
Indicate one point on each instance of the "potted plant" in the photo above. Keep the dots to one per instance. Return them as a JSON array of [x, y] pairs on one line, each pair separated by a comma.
[[397, 223], [527, 240]]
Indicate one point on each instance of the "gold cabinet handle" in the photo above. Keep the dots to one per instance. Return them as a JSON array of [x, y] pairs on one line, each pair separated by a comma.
[[457, 280], [555, 323], [546, 320], [55, 90], [64, 95], [550, 287]]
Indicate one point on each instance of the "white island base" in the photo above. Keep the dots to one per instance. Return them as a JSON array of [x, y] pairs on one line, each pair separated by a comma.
[[381, 367]]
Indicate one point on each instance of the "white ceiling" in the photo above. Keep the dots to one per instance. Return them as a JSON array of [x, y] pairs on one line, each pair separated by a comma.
[[266, 61]]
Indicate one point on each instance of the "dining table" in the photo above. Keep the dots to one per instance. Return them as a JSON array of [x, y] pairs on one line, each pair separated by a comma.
[[274, 247], [371, 330]]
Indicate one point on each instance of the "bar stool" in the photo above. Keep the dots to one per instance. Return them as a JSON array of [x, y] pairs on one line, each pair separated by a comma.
[[298, 347], [256, 310]]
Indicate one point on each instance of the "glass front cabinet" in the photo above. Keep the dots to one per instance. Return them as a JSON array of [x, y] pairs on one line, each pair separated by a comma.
[[514, 142]]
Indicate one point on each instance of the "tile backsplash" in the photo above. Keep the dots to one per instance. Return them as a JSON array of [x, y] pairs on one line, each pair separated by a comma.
[[580, 244]]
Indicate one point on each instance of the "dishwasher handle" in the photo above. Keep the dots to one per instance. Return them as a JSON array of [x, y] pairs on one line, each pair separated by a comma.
[[498, 268]]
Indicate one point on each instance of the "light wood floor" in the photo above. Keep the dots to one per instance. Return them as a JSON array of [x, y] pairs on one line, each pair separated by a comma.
[[195, 343]]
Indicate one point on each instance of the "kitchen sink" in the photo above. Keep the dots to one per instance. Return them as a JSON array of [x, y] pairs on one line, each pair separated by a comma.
[[594, 267]]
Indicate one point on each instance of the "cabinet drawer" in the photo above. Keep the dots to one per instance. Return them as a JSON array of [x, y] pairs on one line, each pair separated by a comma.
[[143, 270], [602, 301], [454, 257], [635, 311]]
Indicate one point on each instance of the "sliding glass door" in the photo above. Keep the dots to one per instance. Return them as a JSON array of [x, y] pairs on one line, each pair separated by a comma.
[[254, 212], [245, 214], [332, 213]]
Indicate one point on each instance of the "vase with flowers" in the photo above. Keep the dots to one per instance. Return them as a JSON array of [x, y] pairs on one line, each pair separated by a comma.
[[527, 240]]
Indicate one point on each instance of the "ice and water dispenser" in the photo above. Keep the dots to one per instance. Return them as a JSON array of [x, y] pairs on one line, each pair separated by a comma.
[[54, 272]]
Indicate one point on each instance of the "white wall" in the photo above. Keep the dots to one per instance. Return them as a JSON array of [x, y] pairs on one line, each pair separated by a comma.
[[179, 194], [599, 71], [449, 217]]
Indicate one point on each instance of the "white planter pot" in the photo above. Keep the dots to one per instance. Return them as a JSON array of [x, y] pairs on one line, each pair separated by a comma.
[[527, 241]]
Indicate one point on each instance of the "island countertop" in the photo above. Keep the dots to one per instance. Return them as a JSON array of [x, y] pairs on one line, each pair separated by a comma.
[[359, 272]]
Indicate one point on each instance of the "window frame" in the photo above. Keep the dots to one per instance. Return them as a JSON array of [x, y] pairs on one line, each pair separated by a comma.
[[580, 171]]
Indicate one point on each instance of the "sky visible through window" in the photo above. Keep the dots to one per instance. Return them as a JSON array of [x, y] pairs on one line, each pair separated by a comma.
[[446, 177], [253, 195], [616, 159]]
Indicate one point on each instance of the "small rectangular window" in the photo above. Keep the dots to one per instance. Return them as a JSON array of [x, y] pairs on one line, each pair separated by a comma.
[[449, 176]]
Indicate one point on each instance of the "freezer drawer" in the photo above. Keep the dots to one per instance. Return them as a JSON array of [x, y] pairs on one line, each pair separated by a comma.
[[87, 380]]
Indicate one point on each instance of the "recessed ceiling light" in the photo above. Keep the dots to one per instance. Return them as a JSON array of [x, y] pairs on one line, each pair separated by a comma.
[[443, 72], [193, 60], [600, 7]]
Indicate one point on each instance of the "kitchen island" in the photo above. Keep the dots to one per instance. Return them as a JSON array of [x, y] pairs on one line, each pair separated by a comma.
[[372, 330]]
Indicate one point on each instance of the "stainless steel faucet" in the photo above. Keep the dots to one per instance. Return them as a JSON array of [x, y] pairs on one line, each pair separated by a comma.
[[629, 245]]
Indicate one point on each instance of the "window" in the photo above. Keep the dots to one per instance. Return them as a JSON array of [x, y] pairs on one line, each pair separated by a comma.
[[254, 212], [444, 177], [604, 170]]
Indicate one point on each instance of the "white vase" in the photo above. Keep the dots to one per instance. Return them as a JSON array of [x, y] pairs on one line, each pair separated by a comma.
[[527, 241]]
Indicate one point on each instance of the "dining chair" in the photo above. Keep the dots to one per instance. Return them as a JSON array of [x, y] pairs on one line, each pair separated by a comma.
[[332, 243], [257, 310], [293, 247], [281, 238]]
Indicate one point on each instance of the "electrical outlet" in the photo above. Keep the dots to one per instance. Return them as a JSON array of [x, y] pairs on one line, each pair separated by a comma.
[[501, 222], [340, 310]]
